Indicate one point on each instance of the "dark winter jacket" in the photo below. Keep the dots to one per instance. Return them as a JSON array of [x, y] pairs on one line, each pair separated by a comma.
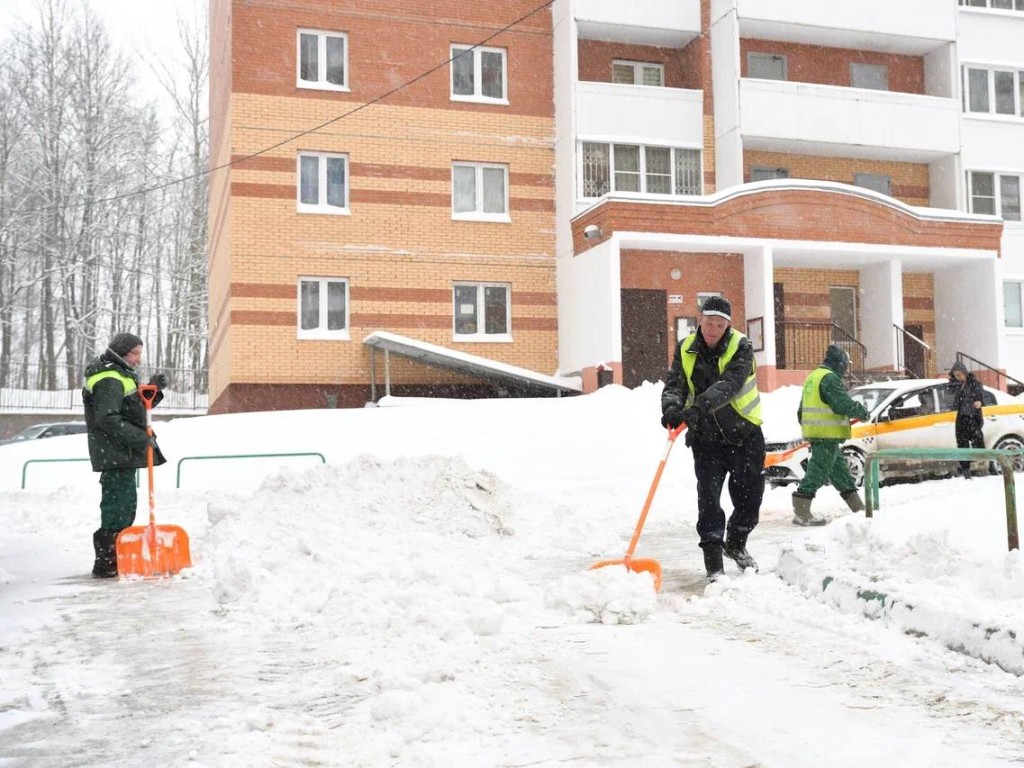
[[965, 395], [832, 390], [713, 391], [116, 417]]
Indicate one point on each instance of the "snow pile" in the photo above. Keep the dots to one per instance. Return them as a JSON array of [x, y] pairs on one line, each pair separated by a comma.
[[609, 595]]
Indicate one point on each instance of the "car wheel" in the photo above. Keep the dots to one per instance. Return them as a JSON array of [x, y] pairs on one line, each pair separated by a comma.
[[855, 462], [1013, 443]]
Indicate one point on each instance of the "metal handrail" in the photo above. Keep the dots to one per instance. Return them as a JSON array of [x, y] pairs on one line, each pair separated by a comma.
[[806, 341], [901, 358], [976, 364], [177, 480], [1004, 457]]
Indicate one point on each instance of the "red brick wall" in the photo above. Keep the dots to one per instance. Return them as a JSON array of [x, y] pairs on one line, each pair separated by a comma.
[[596, 57], [831, 66], [699, 273], [389, 46]]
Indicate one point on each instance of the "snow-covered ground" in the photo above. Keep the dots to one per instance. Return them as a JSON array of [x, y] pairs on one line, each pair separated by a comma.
[[423, 599]]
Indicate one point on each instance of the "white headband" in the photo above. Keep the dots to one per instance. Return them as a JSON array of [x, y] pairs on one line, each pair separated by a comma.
[[715, 312]]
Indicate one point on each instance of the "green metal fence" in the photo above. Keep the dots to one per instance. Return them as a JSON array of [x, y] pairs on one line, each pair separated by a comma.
[[1005, 459]]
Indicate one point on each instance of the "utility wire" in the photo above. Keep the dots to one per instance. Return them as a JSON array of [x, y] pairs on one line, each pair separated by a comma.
[[307, 132]]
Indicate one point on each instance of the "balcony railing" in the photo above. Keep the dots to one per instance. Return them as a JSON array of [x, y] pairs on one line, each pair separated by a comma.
[[776, 113], [33, 387], [640, 114]]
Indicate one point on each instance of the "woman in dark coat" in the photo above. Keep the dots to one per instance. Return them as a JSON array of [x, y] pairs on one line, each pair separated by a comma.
[[967, 401]]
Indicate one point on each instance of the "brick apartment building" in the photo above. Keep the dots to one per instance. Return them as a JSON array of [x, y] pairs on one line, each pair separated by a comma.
[[547, 211]]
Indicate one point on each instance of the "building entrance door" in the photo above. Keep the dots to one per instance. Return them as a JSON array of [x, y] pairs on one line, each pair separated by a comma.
[[780, 326], [644, 325], [913, 353]]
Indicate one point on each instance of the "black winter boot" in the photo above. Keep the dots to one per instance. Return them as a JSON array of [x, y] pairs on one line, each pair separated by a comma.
[[736, 549], [853, 501], [104, 542], [713, 562]]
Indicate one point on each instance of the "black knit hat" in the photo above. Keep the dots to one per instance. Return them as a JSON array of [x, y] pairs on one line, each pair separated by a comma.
[[717, 305], [123, 343]]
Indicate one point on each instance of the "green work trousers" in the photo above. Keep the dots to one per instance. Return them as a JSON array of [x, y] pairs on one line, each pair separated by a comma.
[[118, 498], [827, 464]]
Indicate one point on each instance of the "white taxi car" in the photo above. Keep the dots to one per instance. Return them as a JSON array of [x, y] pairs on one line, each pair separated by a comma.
[[907, 413]]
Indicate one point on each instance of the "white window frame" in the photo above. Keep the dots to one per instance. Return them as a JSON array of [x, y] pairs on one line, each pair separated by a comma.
[[478, 214], [642, 168], [481, 308], [1020, 294], [321, 83], [997, 192], [321, 332], [990, 70], [986, 5], [477, 96], [322, 206], [638, 71]]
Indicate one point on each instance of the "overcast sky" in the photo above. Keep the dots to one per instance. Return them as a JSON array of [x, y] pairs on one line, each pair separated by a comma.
[[147, 28]]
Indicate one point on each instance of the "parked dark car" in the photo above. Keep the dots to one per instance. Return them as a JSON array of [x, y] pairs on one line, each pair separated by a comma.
[[39, 431]]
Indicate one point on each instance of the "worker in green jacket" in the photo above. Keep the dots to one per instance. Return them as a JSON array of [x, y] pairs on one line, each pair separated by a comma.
[[824, 415], [116, 419]]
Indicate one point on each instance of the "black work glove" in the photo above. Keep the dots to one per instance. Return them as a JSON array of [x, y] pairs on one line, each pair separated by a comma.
[[691, 416], [672, 417], [160, 380]]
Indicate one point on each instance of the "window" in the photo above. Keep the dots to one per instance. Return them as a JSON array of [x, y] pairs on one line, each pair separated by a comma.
[[1002, 5], [994, 91], [638, 168], [322, 60], [323, 183], [761, 173], [323, 308], [1013, 316], [873, 76], [478, 74], [638, 73], [482, 311], [767, 66], [876, 181], [480, 191], [994, 193]]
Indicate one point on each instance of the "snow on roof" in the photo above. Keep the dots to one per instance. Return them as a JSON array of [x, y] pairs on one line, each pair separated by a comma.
[[463, 362]]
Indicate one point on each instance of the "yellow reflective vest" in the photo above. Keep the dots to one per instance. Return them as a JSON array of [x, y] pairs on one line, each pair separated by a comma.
[[746, 402], [817, 419]]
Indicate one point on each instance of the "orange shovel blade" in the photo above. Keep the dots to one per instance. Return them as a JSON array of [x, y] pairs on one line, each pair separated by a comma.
[[639, 565], [152, 551]]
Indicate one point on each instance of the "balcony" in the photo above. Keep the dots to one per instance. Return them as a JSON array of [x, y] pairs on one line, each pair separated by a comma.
[[990, 36], [993, 142], [805, 118], [664, 23], [913, 27], [639, 114]]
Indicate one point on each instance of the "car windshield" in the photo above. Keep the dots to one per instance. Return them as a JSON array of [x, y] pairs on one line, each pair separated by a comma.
[[871, 397], [29, 433]]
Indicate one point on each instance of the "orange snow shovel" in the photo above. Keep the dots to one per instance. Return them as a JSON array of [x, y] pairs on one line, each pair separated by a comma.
[[645, 565], [151, 551]]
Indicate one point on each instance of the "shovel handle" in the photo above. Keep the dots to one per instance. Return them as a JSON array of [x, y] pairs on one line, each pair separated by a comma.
[[148, 394]]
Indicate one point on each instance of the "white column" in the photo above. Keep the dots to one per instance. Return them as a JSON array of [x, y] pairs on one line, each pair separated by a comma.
[[725, 81], [968, 314], [881, 307], [759, 299]]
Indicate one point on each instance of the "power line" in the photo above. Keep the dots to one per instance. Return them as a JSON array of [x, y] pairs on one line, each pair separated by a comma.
[[290, 139]]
